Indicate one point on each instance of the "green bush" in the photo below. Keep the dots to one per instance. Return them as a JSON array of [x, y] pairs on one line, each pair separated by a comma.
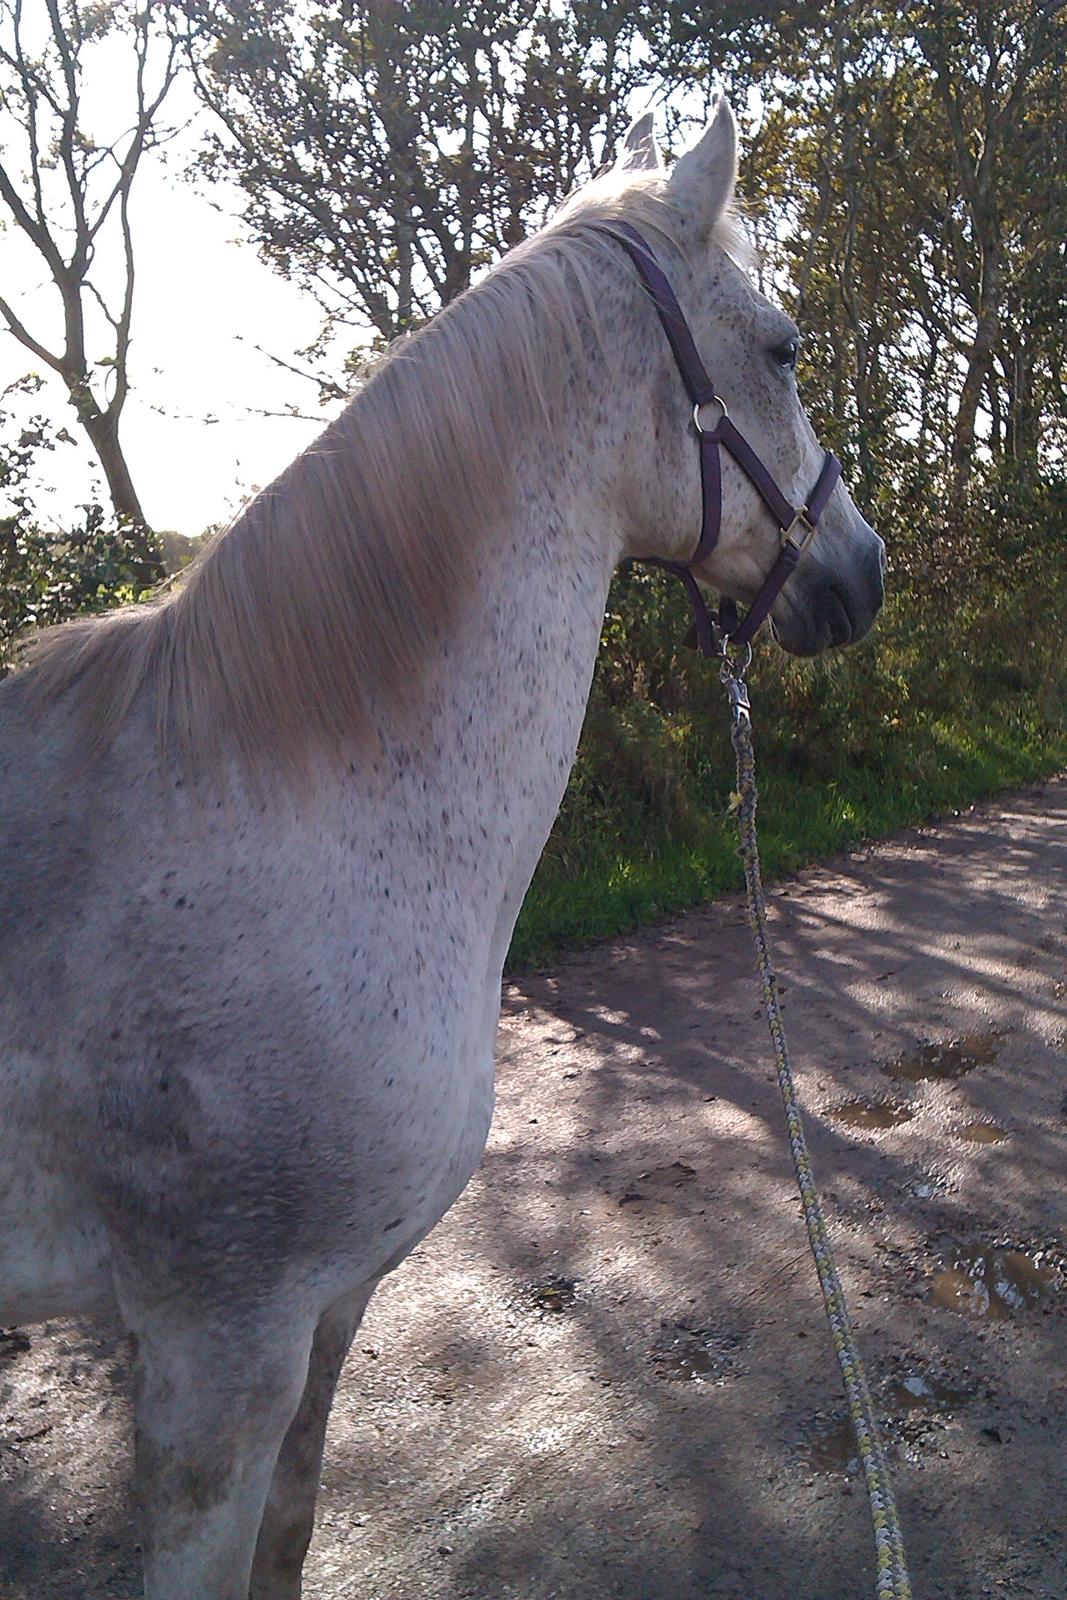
[[46, 574]]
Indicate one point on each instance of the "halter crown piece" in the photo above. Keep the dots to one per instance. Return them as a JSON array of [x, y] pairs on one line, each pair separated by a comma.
[[796, 523]]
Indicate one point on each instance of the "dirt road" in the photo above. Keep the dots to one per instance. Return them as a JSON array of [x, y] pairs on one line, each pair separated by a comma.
[[606, 1373]]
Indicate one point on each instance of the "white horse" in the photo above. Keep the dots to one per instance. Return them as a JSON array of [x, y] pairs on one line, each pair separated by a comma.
[[264, 842]]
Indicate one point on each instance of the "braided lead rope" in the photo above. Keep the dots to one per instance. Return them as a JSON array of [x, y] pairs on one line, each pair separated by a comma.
[[892, 1582]]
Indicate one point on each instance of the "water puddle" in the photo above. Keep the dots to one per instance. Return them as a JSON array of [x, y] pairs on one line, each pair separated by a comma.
[[915, 1408], [554, 1294], [916, 1392], [831, 1447], [872, 1113], [993, 1283], [685, 1355], [982, 1133], [946, 1058], [919, 1407]]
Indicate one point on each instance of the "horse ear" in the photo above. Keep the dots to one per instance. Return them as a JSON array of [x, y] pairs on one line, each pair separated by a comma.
[[704, 178], [639, 152]]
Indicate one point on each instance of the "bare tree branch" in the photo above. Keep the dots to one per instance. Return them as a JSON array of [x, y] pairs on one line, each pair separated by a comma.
[[23, 335], [62, 206]]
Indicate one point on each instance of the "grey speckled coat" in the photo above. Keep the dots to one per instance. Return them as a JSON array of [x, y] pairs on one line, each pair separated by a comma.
[[246, 1043]]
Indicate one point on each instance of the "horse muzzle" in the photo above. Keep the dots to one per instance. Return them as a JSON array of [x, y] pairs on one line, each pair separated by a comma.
[[829, 603]]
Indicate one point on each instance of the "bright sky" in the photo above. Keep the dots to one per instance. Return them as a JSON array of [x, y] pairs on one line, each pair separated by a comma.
[[203, 301]]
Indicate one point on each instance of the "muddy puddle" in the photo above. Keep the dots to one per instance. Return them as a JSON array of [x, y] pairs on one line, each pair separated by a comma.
[[554, 1294], [913, 1405], [946, 1058], [917, 1391], [981, 1133], [686, 1355], [872, 1113], [831, 1447], [993, 1283]]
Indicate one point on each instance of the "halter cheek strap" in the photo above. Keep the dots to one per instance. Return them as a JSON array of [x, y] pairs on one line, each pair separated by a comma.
[[797, 524]]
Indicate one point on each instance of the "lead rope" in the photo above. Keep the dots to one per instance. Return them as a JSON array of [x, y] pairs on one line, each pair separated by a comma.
[[892, 1581]]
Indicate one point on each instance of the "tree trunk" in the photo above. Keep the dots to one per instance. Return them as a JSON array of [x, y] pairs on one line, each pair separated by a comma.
[[1024, 416], [102, 428], [979, 359]]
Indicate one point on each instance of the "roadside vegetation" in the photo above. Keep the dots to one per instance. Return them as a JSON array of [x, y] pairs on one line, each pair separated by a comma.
[[960, 692]]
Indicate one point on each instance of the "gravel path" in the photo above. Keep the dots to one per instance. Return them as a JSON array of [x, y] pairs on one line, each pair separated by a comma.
[[606, 1373]]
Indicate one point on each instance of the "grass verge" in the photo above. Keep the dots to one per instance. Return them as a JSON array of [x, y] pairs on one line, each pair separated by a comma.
[[612, 884]]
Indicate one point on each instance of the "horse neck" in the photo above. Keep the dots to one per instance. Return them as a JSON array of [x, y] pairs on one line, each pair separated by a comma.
[[480, 778]]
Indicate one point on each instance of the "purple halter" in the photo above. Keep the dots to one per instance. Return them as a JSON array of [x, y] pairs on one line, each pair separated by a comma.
[[797, 524]]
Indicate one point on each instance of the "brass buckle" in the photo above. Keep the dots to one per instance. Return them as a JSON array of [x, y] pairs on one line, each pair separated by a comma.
[[801, 544]]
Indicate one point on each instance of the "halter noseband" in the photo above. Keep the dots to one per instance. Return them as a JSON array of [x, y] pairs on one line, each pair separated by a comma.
[[796, 523]]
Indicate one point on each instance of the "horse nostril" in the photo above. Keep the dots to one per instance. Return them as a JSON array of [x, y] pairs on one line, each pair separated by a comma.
[[839, 616]]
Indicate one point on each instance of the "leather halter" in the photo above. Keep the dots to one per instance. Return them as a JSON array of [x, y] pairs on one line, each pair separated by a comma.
[[797, 524]]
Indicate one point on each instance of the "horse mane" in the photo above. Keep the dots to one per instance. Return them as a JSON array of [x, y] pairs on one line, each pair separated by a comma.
[[307, 619]]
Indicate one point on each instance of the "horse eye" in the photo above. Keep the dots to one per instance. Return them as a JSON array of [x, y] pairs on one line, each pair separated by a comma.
[[786, 354]]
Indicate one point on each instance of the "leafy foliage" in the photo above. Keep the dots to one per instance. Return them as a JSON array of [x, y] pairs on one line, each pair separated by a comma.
[[47, 575], [389, 152]]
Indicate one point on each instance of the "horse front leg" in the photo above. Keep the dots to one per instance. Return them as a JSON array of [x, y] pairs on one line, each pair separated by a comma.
[[289, 1516], [213, 1402]]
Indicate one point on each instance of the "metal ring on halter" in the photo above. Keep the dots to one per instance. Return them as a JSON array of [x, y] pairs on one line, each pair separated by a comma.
[[730, 667], [716, 400]]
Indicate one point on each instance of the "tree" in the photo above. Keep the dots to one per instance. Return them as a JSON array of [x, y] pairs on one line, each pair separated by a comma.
[[387, 152], [914, 167], [910, 167], [49, 574], [998, 70], [69, 194]]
